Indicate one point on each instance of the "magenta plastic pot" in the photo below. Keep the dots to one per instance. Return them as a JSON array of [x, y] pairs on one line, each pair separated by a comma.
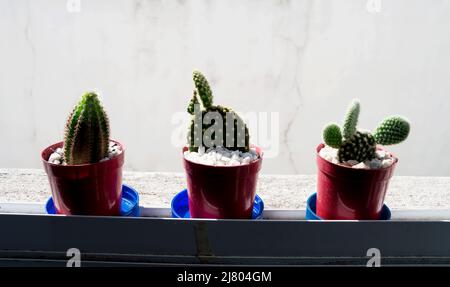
[[350, 194], [222, 192], [87, 189]]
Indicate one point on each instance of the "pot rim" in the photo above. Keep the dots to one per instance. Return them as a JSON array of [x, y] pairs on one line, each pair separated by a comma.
[[361, 170], [255, 162], [61, 143]]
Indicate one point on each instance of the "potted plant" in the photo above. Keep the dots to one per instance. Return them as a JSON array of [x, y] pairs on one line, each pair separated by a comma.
[[221, 166], [353, 167], [85, 171]]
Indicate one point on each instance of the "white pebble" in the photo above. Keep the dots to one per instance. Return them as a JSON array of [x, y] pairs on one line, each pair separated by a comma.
[[387, 162], [54, 157], [220, 156], [233, 162], [380, 154], [382, 159], [360, 165], [57, 156]]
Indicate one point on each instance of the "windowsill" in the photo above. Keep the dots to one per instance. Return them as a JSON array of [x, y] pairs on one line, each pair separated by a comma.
[[156, 189]]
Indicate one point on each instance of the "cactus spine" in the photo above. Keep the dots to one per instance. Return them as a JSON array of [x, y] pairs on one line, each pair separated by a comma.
[[361, 146], [86, 137], [220, 126]]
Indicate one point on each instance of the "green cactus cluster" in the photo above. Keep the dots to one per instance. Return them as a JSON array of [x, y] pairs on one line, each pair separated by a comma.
[[86, 138], [353, 144], [220, 126]]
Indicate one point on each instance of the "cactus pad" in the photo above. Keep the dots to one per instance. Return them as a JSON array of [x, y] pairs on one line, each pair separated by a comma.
[[203, 89], [332, 135], [351, 119], [392, 130]]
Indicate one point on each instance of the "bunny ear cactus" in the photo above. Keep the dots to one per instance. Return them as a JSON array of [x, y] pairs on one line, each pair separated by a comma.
[[392, 130], [86, 137], [214, 125], [361, 146]]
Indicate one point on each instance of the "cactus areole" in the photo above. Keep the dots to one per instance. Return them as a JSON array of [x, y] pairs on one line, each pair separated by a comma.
[[344, 192], [88, 181], [218, 191]]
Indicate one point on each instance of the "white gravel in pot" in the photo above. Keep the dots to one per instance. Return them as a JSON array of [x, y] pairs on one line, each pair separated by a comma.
[[382, 159], [221, 156], [57, 156]]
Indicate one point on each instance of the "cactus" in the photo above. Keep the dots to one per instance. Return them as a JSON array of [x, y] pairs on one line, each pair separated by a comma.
[[229, 129], [332, 135], [391, 131], [351, 119], [86, 137], [361, 146]]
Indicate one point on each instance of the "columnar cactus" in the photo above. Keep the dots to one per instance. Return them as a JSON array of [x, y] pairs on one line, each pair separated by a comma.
[[220, 126], [353, 144], [86, 137]]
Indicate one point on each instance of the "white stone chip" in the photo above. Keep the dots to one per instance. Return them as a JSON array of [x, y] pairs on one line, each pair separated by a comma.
[[221, 156], [382, 159], [360, 165], [54, 157], [387, 162], [57, 156]]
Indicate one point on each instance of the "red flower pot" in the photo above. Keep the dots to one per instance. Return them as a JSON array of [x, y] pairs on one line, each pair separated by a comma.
[[348, 193], [86, 189], [225, 192]]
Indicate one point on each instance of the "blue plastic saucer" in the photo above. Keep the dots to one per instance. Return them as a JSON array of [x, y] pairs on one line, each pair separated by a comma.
[[129, 207], [180, 206], [311, 209]]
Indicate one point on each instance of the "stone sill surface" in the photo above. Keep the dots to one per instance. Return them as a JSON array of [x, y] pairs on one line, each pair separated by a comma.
[[156, 189]]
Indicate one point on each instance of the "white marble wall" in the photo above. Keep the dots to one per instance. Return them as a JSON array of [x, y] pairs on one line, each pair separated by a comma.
[[303, 59]]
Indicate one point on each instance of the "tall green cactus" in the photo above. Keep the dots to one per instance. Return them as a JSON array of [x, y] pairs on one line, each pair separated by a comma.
[[230, 130], [351, 119], [86, 137], [361, 146]]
